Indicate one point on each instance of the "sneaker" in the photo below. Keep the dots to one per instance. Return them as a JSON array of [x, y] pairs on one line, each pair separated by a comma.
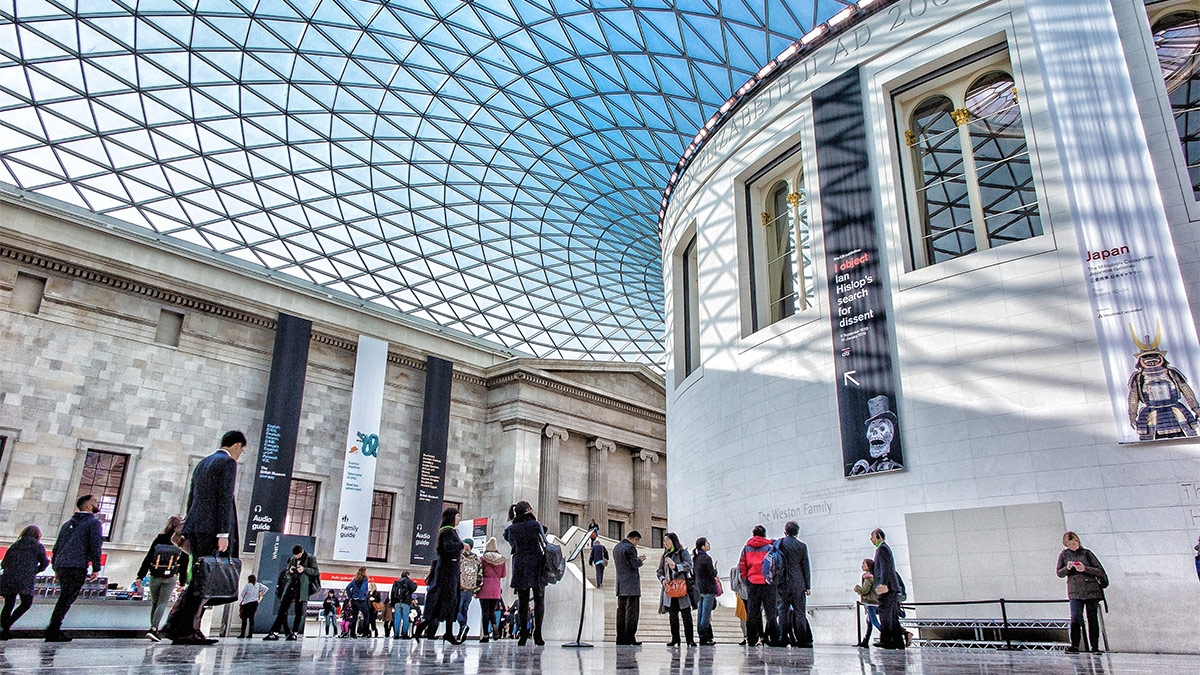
[[153, 635], [271, 637], [1072, 650], [291, 637]]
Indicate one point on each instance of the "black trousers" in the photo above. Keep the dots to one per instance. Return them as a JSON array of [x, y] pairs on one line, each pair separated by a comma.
[[70, 580], [9, 617], [891, 634], [247, 612], [184, 619], [628, 610], [793, 621], [675, 610], [291, 601], [539, 610], [762, 600], [1077, 610], [359, 627]]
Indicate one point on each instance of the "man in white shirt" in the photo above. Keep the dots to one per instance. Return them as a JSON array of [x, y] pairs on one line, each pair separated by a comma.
[[252, 594]]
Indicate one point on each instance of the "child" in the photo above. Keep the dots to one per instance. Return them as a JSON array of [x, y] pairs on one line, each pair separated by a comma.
[[866, 590], [344, 624]]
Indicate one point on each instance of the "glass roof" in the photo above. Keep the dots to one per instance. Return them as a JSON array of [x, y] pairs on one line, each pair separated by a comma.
[[493, 166]]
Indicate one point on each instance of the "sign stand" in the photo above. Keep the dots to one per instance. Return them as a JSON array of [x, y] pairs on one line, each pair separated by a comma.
[[578, 553]]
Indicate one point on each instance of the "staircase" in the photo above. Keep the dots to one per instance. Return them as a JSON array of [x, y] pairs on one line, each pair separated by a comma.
[[652, 626]]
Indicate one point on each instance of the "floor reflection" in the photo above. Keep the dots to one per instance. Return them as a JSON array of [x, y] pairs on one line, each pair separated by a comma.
[[318, 656]]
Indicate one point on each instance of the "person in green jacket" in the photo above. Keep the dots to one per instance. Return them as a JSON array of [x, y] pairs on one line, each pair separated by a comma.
[[866, 591]]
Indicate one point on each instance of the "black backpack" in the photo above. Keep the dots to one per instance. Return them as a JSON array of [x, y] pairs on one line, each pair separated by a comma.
[[164, 558], [901, 591]]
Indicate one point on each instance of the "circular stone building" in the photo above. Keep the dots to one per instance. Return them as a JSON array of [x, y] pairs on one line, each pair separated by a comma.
[[935, 270]]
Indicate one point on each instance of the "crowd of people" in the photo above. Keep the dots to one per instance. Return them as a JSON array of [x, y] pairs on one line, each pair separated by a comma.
[[771, 581]]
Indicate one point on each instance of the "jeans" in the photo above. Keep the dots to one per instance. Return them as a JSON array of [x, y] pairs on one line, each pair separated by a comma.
[[400, 619], [464, 606], [331, 623], [872, 620], [9, 617], [762, 599], [704, 620], [70, 580], [1077, 610], [160, 595], [599, 575]]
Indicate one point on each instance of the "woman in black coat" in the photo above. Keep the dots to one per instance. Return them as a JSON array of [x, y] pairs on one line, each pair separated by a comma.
[[1086, 580], [24, 560], [525, 535], [441, 594]]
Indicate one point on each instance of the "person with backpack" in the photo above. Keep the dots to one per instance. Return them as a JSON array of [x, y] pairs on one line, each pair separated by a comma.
[[598, 557], [23, 561], [1086, 581], [759, 556], [401, 598], [675, 565], [887, 590], [469, 579], [794, 588], [164, 562], [526, 536]]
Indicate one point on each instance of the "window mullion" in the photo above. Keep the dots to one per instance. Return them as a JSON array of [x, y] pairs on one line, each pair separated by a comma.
[[978, 226]]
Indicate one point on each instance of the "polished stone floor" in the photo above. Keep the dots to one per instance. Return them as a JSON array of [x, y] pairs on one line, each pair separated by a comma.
[[368, 657]]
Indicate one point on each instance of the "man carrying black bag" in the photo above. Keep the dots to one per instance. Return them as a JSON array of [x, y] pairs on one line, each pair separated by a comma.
[[210, 529]]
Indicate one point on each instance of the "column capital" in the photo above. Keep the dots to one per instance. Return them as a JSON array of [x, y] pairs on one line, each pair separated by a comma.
[[602, 444], [647, 455], [552, 431]]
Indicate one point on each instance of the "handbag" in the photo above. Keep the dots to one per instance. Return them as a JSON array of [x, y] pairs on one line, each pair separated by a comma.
[[720, 589], [675, 588], [217, 578], [553, 564]]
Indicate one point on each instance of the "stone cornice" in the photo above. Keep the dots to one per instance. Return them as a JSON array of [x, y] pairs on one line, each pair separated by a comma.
[[577, 392]]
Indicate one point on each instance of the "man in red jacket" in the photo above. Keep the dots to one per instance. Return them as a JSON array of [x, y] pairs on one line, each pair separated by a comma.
[[762, 595]]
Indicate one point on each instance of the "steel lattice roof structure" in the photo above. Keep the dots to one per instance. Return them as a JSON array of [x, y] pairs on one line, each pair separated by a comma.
[[495, 166]]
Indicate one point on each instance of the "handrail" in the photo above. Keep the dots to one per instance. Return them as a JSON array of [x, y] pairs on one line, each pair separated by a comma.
[[1003, 602]]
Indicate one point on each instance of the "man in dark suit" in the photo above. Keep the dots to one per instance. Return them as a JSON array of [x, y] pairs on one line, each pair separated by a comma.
[[629, 587], [793, 592], [211, 528], [891, 634]]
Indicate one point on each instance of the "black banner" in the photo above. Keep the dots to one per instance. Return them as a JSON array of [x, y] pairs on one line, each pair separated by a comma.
[[277, 548], [857, 303], [281, 425], [431, 468]]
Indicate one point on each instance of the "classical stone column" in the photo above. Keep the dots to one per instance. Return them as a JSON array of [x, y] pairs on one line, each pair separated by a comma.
[[643, 497], [547, 506], [517, 467], [597, 509]]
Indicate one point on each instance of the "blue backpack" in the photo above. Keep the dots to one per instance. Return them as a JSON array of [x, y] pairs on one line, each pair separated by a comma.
[[773, 570]]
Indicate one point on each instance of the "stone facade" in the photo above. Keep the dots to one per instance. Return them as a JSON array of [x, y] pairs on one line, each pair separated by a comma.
[[85, 372]]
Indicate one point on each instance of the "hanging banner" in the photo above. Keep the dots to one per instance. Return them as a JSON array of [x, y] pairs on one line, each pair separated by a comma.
[[281, 426], [362, 450], [431, 466], [862, 347], [1139, 304]]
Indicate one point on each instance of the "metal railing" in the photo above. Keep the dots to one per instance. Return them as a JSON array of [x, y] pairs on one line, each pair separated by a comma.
[[1005, 626]]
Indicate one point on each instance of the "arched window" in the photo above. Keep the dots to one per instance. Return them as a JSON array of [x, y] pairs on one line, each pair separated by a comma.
[[780, 241], [972, 181], [1177, 42]]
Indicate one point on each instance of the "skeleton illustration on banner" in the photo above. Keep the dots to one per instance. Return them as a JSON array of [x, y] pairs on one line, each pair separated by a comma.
[[881, 430], [1161, 404]]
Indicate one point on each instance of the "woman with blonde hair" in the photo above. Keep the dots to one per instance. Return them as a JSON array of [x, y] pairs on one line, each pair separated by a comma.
[[1086, 581], [23, 561]]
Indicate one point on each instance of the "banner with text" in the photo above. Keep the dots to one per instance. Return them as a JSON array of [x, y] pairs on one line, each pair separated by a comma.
[[862, 346], [362, 450], [1138, 300], [281, 426], [431, 466]]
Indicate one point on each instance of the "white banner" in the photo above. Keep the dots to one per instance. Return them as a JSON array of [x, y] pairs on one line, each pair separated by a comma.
[[362, 448], [1143, 320]]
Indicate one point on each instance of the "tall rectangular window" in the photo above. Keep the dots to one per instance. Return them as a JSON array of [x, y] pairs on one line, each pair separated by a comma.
[[379, 540], [616, 529], [778, 242], [1176, 30], [691, 308], [302, 507], [657, 535], [566, 521], [103, 477]]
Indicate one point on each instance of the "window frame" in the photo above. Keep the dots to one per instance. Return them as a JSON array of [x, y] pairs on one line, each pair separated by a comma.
[[657, 536], [116, 532], [1152, 14], [562, 517], [316, 499], [786, 165], [954, 81], [112, 517], [620, 529], [387, 530]]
